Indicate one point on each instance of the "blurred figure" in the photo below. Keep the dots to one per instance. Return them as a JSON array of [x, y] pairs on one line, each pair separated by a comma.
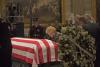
[[13, 10], [89, 18], [79, 20], [37, 31], [13, 30], [97, 42], [58, 27], [5, 45], [88, 25], [52, 34]]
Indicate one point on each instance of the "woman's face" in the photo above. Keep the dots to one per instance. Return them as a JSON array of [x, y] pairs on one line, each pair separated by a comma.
[[52, 34]]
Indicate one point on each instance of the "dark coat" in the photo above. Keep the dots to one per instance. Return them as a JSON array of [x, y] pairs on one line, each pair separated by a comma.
[[97, 64], [37, 32], [94, 30], [5, 46]]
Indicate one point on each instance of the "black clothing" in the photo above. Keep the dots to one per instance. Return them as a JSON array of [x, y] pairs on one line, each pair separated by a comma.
[[97, 63], [91, 28], [37, 32], [94, 30], [5, 46]]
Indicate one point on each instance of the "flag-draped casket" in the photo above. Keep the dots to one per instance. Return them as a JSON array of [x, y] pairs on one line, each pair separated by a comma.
[[34, 51]]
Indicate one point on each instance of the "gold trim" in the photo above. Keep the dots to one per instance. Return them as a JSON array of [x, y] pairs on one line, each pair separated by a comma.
[[93, 4], [63, 11]]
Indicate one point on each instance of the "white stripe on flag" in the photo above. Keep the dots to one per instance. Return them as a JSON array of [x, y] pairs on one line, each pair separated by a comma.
[[23, 44], [23, 53], [52, 49]]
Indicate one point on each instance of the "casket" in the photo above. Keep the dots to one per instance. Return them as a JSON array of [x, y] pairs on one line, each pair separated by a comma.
[[28, 52]]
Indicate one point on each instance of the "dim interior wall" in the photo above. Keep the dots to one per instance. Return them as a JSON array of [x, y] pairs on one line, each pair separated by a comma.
[[2, 8], [77, 7]]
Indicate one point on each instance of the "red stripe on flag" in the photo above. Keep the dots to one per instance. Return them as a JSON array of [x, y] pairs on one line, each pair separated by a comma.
[[24, 48], [40, 54], [56, 50], [22, 58], [48, 50]]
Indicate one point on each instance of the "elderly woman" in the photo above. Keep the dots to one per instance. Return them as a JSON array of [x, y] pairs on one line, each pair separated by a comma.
[[52, 34]]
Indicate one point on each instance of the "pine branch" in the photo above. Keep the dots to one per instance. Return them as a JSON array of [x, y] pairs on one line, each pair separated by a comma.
[[82, 49]]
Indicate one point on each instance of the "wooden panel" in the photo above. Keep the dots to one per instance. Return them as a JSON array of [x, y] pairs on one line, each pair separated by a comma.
[[63, 11], [2, 5], [94, 8]]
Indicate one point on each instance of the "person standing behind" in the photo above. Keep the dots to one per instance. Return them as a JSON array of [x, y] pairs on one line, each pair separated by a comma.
[[37, 31], [5, 45]]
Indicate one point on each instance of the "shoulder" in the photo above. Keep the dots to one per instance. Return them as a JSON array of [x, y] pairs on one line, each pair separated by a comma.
[[3, 27]]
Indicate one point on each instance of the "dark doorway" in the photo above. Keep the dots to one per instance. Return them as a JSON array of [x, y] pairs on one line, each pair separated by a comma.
[[98, 10]]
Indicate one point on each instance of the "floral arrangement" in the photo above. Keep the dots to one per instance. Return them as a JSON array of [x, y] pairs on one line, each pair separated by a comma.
[[77, 48]]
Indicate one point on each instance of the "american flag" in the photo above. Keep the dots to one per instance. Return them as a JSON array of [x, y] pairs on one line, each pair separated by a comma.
[[34, 51]]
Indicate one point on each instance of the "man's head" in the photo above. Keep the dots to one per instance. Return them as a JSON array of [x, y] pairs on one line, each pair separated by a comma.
[[82, 20]]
